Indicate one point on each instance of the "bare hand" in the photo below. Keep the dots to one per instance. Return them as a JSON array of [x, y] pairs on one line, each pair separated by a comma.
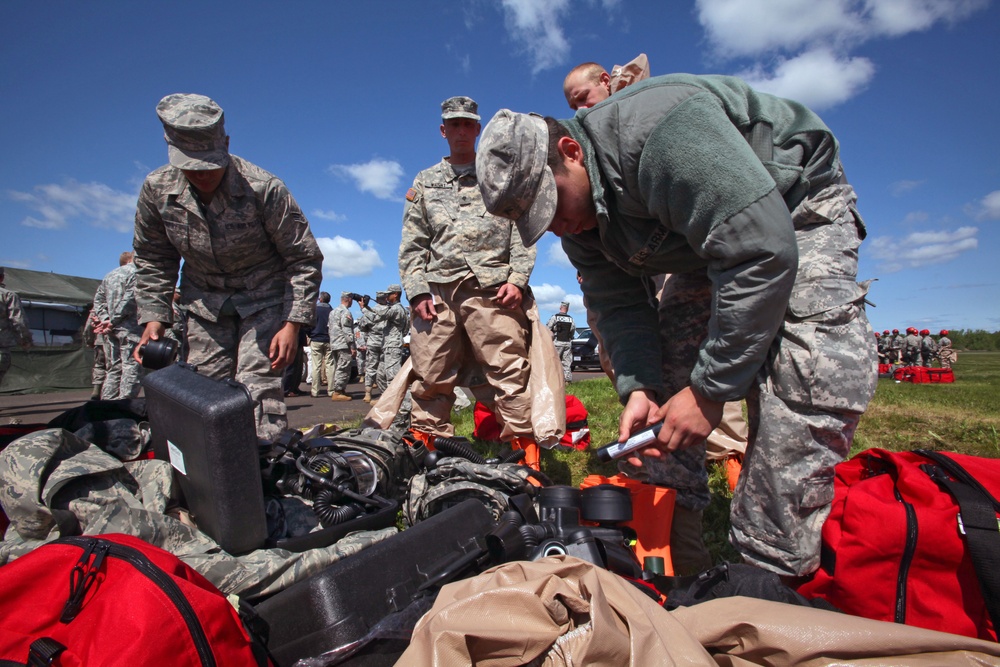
[[283, 345], [687, 419], [509, 296], [423, 306], [153, 331]]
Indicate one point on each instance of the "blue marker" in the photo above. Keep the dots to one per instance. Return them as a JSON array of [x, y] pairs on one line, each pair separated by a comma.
[[616, 450]]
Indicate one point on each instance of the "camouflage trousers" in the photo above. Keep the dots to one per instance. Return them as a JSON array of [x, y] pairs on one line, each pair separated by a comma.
[[565, 352], [392, 360], [469, 325], [322, 365], [373, 366], [100, 369], [123, 373], [341, 370], [237, 347], [805, 405]]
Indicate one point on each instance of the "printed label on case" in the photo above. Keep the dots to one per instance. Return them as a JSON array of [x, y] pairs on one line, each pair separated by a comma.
[[176, 458]]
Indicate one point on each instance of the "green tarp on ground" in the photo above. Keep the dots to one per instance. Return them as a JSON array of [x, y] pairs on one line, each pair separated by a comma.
[[56, 306]]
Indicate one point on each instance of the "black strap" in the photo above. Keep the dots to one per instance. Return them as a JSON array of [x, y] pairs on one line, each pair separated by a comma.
[[43, 652], [977, 520]]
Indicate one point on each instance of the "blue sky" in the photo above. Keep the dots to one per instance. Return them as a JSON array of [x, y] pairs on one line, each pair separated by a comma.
[[342, 101]]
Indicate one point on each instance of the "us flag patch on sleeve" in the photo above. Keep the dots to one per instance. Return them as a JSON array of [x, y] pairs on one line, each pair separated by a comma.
[[411, 194]]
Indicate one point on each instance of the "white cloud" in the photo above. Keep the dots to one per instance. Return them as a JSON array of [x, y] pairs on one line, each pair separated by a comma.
[[548, 297], [819, 79], [331, 216], [752, 27], [346, 257], [900, 188], [914, 217], [377, 177], [56, 206], [534, 25], [898, 17], [988, 208], [922, 248], [556, 255], [777, 31]]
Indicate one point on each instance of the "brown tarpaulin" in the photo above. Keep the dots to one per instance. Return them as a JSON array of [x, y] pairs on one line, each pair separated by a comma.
[[564, 611]]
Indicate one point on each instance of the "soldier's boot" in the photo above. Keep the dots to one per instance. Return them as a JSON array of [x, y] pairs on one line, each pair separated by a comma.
[[421, 436], [368, 395], [339, 396], [532, 453], [687, 548]]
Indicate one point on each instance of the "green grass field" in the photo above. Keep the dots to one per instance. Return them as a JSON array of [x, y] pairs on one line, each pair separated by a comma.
[[962, 417]]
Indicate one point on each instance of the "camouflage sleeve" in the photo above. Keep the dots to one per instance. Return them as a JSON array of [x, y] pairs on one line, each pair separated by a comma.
[[293, 239], [157, 262], [551, 324], [101, 303], [522, 261], [415, 246]]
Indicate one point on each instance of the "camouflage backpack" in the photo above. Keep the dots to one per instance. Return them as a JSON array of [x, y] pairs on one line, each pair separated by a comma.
[[455, 479]]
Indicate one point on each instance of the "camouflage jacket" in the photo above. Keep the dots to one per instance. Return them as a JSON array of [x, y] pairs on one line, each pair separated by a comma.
[[341, 329], [396, 323], [14, 329], [114, 300], [252, 245], [53, 481], [372, 325], [448, 235]]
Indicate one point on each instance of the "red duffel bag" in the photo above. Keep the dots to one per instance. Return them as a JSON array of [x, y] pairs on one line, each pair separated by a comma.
[[116, 600], [913, 538]]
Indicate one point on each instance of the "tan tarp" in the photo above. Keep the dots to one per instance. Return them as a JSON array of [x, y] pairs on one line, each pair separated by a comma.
[[564, 611]]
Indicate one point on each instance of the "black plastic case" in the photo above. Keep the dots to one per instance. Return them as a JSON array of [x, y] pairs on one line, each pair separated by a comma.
[[341, 604], [206, 429]]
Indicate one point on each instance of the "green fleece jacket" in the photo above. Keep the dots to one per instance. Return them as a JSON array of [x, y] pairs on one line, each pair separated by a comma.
[[691, 172]]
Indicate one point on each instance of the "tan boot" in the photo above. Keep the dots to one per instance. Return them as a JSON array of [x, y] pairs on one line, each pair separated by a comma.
[[337, 396], [368, 396]]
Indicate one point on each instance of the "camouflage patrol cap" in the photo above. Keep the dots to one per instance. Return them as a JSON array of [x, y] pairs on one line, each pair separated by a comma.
[[347, 295], [564, 304], [380, 294], [459, 107], [194, 128], [514, 179], [394, 288]]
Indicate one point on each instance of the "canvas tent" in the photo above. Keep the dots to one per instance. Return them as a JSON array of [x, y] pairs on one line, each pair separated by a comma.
[[56, 307]]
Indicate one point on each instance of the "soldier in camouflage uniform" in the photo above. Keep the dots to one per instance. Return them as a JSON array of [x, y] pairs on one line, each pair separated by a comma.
[[928, 348], [252, 267], [896, 344], [14, 331], [945, 352], [115, 309], [95, 341], [342, 347], [397, 323], [911, 347], [563, 329], [742, 196], [372, 325], [465, 273]]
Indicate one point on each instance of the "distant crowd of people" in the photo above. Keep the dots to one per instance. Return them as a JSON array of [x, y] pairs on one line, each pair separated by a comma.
[[915, 348]]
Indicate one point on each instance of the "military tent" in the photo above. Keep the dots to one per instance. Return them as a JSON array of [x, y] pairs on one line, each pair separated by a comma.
[[56, 307]]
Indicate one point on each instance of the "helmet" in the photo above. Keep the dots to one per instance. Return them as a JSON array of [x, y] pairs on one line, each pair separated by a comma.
[[944, 332], [885, 333], [876, 334], [895, 331], [925, 332]]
